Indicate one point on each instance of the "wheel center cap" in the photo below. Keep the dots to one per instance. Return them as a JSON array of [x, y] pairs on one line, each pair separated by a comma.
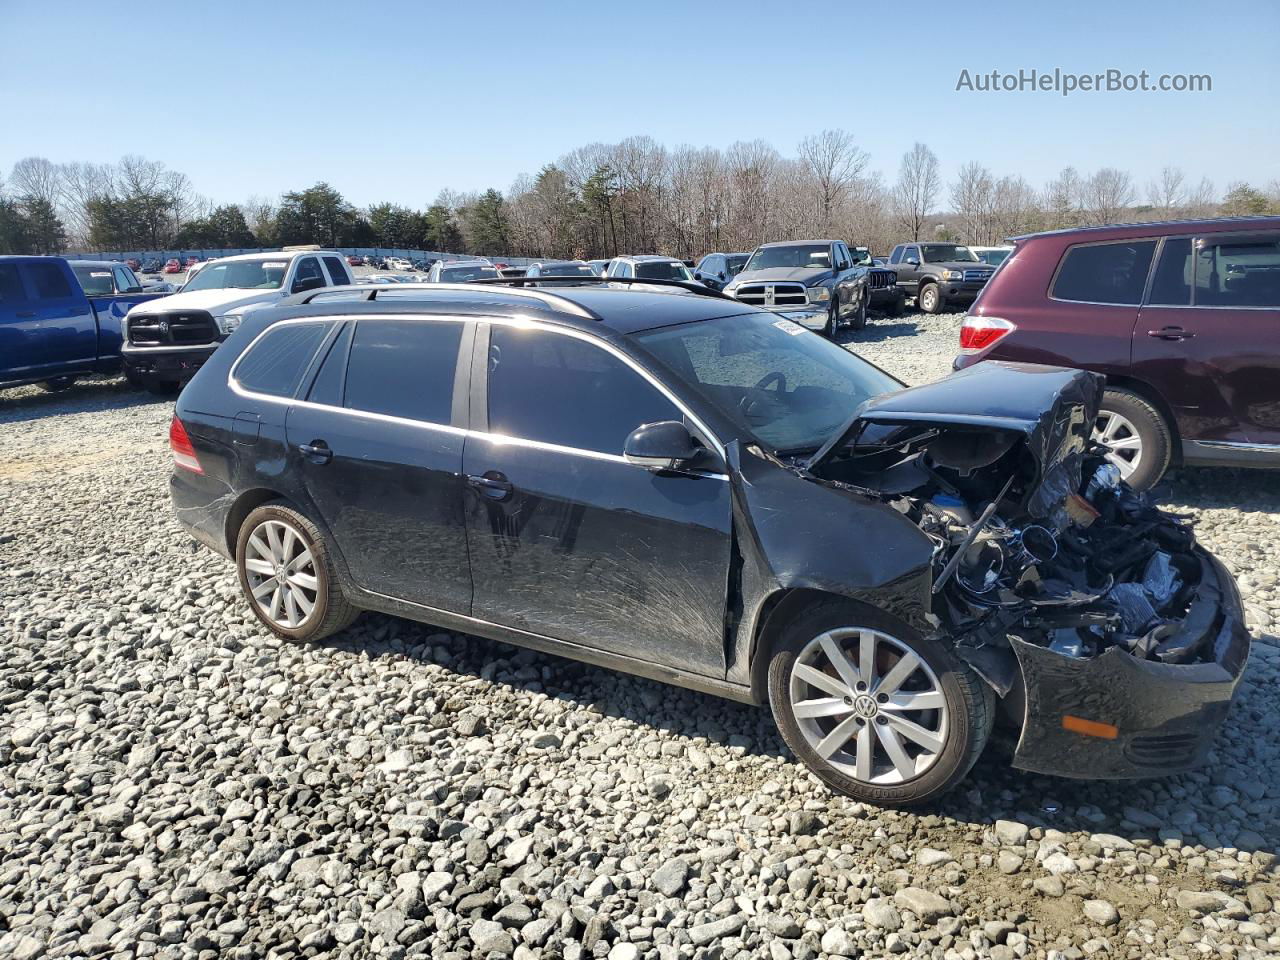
[[865, 707]]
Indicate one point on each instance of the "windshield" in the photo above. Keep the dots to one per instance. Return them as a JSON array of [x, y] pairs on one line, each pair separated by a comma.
[[787, 387], [662, 270], [862, 257], [565, 270], [813, 255], [239, 275], [736, 263], [994, 257], [465, 274], [946, 253], [96, 281]]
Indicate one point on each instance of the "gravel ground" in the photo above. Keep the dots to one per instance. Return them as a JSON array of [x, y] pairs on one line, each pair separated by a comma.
[[175, 782]]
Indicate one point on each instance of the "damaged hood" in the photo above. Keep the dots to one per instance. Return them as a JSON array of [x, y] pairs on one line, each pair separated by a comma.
[[1051, 408]]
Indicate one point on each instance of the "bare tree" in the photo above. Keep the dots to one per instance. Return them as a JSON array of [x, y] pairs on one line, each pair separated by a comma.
[[1015, 209], [1062, 199], [917, 188], [1201, 200], [1107, 195], [1168, 192], [80, 184], [35, 177], [971, 199], [835, 162]]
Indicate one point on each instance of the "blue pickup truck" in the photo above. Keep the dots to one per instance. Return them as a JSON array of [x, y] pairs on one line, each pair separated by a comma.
[[60, 319]]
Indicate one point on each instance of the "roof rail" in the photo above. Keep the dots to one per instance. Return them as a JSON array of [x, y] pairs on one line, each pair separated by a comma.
[[368, 292], [692, 286]]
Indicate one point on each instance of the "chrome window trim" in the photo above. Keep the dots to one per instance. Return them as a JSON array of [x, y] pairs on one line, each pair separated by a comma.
[[497, 438]]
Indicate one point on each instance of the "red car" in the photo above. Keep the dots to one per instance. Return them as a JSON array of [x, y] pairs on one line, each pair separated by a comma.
[[355, 261], [172, 266], [1183, 319]]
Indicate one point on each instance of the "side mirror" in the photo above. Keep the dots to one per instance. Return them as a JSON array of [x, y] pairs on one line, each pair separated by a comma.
[[659, 446], [912, 262], [307, 283]]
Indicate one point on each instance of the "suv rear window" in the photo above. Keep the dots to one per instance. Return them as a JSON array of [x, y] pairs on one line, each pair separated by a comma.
[[1238, 274], [1104, 272], [275, 364]]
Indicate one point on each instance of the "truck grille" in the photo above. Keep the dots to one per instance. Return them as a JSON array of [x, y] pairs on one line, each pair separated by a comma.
[[977, 276], [881, 279], [773, 294], [173, 329]]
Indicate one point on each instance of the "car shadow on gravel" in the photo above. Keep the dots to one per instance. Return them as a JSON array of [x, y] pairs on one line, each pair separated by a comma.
[[993, 790], [23, 404], [879, 330]]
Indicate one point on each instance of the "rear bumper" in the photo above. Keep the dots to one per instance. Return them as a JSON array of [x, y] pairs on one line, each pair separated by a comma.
[[1167, 715], [200, 505]]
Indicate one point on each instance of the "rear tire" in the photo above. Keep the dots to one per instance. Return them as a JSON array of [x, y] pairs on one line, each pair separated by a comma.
[[929, 299], [916, 753], [277, 540], [1141, 435]]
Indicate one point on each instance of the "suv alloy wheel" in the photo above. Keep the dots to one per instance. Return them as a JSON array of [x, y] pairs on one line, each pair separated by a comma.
[[288, 577], [1140, 440], [875, 710]]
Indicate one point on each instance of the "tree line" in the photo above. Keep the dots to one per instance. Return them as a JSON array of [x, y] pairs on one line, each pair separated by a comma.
[[635, 196]]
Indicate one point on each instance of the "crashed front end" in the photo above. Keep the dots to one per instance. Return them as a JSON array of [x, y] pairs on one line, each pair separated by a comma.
[[1113, 638]]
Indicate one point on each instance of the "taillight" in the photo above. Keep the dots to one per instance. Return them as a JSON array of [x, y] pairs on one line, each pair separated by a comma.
[[184, 454], [978, 333]]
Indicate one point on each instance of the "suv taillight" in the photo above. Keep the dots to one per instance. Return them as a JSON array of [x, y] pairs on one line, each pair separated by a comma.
[[184, 454], [978, 333]]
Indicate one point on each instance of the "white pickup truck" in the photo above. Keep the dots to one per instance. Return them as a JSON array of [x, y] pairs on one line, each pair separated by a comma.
[[166, 340]]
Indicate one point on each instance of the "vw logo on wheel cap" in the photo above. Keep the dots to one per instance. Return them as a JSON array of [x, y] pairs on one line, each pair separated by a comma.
[[865, 707]]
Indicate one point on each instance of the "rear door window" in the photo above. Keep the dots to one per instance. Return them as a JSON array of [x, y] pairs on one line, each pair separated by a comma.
[[49, 281], [275, 363], [1109, 273], [1236, 273], [558, 389], [11, 289], [308, 269], [1171, 285], [337, 271], [404, 368]]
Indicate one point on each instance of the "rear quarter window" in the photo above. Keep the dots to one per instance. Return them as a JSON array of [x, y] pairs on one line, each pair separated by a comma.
[[1111, 273], [275, 363], [49, 281]]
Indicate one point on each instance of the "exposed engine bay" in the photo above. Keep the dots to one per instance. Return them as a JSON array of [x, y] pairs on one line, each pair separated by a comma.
[[1035, 534]]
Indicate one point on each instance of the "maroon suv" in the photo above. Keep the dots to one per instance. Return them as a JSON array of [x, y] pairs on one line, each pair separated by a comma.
[[1183, 319]]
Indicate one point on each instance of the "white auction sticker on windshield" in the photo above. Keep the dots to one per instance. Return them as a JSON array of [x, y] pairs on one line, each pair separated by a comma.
[[274, 265], [102, 273], [787, 326]]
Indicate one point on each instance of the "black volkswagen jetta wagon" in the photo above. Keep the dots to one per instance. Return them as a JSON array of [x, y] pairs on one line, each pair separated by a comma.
[[678, 485]]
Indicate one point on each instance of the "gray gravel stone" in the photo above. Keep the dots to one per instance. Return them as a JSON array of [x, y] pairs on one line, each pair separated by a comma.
[[925, 904]]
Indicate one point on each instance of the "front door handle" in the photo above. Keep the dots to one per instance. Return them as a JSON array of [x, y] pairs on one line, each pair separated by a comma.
[[317, 451], [492, 484], [1171, 333]]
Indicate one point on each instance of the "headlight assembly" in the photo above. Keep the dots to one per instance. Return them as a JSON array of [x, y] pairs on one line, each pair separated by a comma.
[[818, 294]]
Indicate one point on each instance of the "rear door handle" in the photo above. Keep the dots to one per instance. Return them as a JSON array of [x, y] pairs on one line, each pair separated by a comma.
[[317, 451], [1171, 333], [492, 484]]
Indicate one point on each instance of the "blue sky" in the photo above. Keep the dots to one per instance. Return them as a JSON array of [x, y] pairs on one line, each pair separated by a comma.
[[396, 101]]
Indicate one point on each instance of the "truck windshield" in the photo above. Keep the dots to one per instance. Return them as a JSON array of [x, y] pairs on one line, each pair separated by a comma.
[[780, 383], [813, 255], [946, 253], [240, 275], [565, 270], [663, 270], [736, 263]]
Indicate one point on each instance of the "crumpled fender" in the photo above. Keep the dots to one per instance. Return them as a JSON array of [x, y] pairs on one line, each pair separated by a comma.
[[794, 533]]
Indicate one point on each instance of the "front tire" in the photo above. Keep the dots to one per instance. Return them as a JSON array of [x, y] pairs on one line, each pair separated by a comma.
[[897, 305], [930, 299], [859, 319], [876, 711], [833, 318], [1139, 437], [288, 576], [58, 384]]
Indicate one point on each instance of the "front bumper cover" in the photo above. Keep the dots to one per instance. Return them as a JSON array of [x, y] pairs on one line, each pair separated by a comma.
[[1167, 715], [812, 316], [166, 362]]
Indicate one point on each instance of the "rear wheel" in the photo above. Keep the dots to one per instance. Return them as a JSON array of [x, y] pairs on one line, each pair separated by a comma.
[[874, 709], [929, 299], [288, 576], [1139, 438]]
